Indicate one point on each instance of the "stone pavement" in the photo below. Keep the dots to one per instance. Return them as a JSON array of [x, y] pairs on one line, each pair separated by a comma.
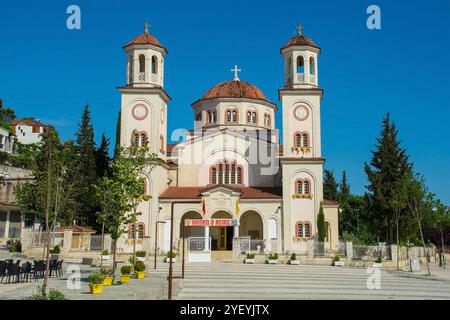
[[233, 281]]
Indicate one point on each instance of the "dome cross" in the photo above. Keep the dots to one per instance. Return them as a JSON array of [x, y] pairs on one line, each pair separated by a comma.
[[299, 29], [236, 70]]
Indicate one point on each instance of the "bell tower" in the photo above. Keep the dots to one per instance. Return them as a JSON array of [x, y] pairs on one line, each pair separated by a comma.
[[144, 100]]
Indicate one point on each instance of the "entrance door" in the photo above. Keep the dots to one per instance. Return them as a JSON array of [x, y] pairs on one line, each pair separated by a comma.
[[222, 239]]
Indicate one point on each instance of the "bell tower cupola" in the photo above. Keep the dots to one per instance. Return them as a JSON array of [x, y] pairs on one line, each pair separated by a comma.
[[300, 55], [145, 60]]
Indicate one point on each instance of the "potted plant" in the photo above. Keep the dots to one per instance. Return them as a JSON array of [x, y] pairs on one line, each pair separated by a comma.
[[139, 269], [293, 260], [337, 261], [250, 258], [96, 283], [125, 274], [140, 255], [171, 256], [54, 253], [378, 263], [273, 258], [105, 255], [108, 276]]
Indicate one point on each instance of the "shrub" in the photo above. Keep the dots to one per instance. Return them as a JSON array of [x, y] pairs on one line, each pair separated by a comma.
[[56, 250], [379, 260], [107, 272], [336, 258], [250, 256], [139, 266], [171, 254], [126, 270], [273, 256], [293, 256], [96, 278], [15, 245], [105, 252], [52, 295], [141, 254]]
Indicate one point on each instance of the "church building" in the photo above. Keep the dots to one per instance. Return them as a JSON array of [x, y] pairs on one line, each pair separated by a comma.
[[228, 181]]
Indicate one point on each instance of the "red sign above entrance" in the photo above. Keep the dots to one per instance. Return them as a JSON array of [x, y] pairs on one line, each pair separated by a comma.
[[210, 222]]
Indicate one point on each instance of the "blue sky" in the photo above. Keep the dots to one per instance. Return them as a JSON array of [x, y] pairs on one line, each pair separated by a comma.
[[50, 72]]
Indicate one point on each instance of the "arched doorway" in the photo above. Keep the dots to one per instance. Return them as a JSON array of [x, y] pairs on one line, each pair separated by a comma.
[[251, 225], [186, 232], [221, 237]]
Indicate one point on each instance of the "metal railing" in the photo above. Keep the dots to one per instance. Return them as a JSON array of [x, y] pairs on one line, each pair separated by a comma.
[[196, 244], [95, 242], [39, 239], [247, 245]]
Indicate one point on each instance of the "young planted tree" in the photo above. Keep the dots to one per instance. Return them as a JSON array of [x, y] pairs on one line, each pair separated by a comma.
[[418, 201]]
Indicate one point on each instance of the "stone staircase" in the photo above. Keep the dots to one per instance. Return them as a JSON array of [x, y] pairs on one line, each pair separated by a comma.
[[222, 255]]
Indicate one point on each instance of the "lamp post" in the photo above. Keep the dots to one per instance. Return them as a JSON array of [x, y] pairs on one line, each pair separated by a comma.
[[170, 277], [156, 238]]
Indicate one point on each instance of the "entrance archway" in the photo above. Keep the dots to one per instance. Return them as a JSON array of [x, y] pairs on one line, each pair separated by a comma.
[[251, 225], [221, 237], [186, 232]]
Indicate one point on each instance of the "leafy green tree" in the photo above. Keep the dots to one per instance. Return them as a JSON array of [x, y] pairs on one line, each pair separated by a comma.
[[389, 165], [7, 115], [330, 186], [321, 225], [419, 202]]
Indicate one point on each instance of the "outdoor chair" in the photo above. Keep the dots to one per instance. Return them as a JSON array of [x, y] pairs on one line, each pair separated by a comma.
[[38, 269], [18, 263], [2, 270], [26, 271], [13, 271], [53, 268]]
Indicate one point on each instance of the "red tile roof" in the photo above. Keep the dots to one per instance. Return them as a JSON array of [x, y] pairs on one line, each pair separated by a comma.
[[28, 122], [246, 192], [330, 202], [300, 40], [145, 38], [75, 229], [235, 89]]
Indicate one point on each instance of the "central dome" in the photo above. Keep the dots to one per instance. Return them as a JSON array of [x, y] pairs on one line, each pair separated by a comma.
[[235, 89]]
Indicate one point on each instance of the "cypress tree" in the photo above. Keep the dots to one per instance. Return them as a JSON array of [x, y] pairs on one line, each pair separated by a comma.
[[321, 225], [330, 186], [102, 158], [85, 169], [344, 188], [388, 166]]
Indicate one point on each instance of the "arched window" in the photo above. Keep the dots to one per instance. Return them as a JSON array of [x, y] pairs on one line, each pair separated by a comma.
[[299, 229], [226, 172], [213, 177], [312, 66], [135, 139], [267, 120], [249, 116], [307, 230], [273, 229], [141, 63], [143, 139], [231, 115], [306, 187], [154, 66], [239, 175], [198, 116], [298, 140], [254, 117], [234, 115], [209, 117], [298, 187], [300, 65], [214, 116], [140, 227], [305, 139], [161, 144]]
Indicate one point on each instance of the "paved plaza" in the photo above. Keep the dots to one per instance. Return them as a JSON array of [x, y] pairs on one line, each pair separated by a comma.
[[236, 281]]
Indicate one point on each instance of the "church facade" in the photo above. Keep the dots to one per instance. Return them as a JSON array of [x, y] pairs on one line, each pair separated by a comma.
[[229, 177]]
